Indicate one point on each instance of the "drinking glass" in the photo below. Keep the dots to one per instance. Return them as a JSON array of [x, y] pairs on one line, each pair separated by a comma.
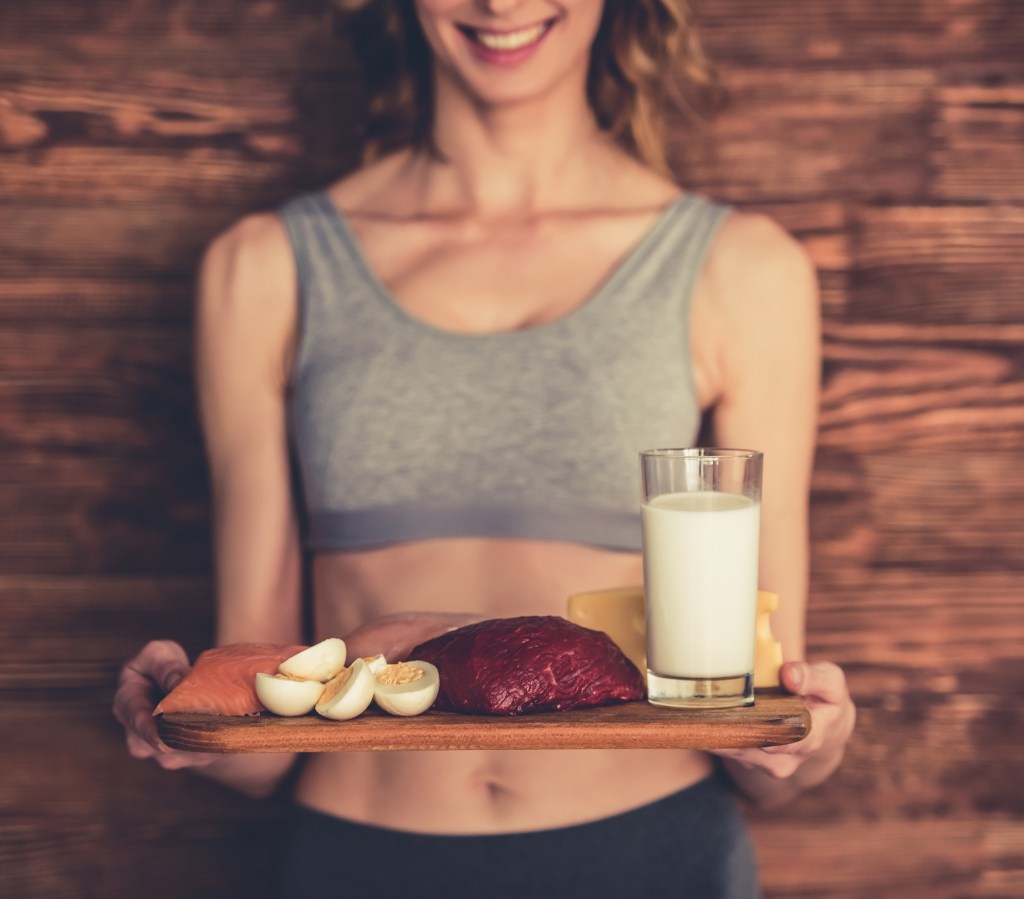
[[701, 516]]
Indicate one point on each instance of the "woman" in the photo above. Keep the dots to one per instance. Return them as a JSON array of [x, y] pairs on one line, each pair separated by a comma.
[[468, 340]]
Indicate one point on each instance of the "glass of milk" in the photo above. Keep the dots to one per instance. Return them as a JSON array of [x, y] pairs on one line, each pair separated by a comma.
[[701, 516]]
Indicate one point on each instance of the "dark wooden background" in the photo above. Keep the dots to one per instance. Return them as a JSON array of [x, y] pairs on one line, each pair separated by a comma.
[[887, 134]]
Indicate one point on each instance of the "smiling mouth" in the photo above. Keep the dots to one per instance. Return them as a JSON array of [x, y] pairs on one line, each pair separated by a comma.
[[507, 41]]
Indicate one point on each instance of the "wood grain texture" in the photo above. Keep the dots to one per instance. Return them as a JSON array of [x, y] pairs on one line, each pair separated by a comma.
[[947, 859], [887, 135], [776, 718], [81, 818]]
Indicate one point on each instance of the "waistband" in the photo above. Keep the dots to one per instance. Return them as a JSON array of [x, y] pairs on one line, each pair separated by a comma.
[[692, 843]]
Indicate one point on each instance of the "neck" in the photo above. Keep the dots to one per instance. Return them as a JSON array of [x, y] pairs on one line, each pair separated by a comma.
[[515, 159]]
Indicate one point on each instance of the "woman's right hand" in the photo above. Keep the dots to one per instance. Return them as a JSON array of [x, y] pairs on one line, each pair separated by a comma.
[[144, 680]]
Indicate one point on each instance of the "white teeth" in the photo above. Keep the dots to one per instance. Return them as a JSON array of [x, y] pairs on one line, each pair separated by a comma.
[[510, 40]]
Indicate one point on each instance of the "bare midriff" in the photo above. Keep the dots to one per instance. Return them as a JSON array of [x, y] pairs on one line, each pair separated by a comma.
[[478, 791]]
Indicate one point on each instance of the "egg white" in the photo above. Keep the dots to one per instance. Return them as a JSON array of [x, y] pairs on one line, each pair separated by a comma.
[[349, 694], [286, 697], [321, 662], [411, 698]]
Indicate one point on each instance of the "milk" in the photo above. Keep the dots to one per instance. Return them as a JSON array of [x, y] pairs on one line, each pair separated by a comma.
[[700, 583]]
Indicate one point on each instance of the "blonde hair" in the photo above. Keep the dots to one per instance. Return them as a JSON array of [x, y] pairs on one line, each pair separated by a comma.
[[645, 52]]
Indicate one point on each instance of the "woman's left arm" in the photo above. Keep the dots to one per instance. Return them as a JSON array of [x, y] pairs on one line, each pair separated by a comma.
[[763, 321]]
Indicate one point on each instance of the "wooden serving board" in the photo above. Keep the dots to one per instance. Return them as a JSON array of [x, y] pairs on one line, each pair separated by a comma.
[[775, 718]]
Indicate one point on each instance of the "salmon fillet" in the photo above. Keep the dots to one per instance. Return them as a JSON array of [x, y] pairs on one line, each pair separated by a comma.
[[223, 679]]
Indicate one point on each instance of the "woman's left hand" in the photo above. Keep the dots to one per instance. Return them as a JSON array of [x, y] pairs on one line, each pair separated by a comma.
[[823, 686]]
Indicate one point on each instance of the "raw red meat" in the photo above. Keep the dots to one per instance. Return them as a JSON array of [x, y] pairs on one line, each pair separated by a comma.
[[505, 666]]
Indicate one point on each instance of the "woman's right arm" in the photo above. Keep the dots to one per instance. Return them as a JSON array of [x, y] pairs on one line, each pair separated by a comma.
[[245, 326]]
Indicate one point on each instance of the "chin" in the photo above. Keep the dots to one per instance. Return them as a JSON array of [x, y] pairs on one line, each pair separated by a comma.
[[529, 52]]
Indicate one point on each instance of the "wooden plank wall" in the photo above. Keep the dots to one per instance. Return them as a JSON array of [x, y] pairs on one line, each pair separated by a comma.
[[887, 134]]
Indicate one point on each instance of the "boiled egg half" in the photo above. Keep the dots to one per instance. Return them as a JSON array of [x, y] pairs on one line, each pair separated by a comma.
[[287, 696], [406, 688], [321, 662], [349, 694]]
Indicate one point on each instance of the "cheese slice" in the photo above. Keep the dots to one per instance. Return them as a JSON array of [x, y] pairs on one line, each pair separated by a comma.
[[619, 612]]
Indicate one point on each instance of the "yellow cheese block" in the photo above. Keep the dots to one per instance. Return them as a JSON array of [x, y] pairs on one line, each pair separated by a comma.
[[619, 612], [767, 651]]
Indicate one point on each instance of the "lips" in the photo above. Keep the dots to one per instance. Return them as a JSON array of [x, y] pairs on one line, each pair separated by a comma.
[[507, 43]]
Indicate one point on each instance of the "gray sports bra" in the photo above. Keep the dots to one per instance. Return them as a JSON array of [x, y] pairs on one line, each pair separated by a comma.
[[403, 431]]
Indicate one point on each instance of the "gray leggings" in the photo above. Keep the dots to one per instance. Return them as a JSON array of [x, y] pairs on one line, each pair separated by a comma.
[[691, 844]]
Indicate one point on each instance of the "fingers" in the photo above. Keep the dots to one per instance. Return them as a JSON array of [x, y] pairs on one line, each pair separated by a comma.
[[777, 766], [134, 701], [163, 661], [824, 686], [152, 673], [164, 756], [805, 748], [781, 766], [820, 680], [174, 761]]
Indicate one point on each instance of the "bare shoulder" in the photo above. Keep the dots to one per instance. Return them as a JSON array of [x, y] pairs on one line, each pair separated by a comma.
[[254, 253], [247, 293], [755, 262], [756, 309]]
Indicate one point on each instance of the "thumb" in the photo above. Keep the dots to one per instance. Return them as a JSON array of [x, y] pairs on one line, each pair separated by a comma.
[[794, 676], [170, 678]]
